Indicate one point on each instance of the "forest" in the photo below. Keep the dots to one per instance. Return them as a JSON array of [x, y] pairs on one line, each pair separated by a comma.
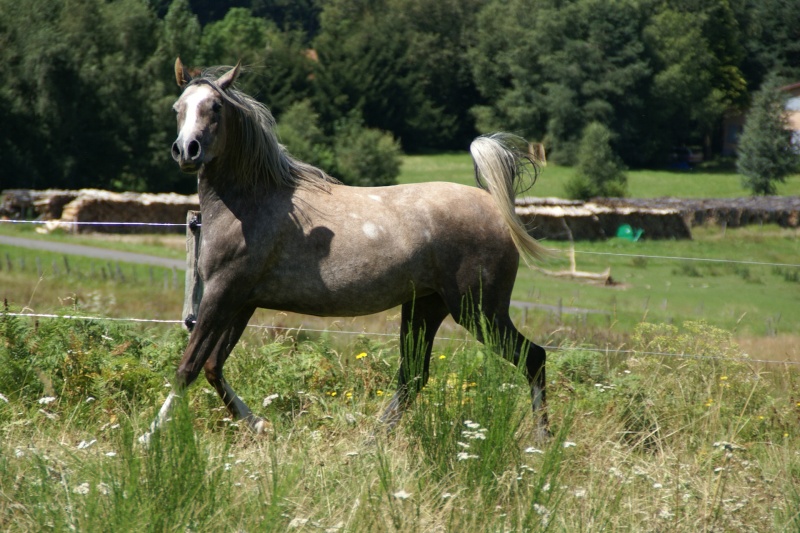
[[88, 84]]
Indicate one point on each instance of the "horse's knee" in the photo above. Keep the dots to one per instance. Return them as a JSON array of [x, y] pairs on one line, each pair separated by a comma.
[[213, 372]]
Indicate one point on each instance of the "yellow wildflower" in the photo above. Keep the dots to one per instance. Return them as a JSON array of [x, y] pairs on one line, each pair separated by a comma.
[[379, 392], [362, 355], [442, 357]]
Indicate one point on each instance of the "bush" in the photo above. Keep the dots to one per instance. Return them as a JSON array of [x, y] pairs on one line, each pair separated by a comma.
[[366, 157], [599, 171], [356, 155]]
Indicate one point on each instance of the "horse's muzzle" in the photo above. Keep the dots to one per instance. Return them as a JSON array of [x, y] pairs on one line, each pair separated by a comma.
[[189, 155]]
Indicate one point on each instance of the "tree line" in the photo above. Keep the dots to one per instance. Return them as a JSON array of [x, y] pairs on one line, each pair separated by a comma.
[[88, 84]]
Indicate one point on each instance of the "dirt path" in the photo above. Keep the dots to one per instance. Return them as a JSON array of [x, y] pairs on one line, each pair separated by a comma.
[[91, 251]]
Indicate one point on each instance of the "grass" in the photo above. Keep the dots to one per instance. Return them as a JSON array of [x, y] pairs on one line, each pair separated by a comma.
[[642, 443], [457, 167], [751, 300]]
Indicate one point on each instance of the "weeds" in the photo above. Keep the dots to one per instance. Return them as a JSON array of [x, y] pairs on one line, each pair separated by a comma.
[[705, 442]]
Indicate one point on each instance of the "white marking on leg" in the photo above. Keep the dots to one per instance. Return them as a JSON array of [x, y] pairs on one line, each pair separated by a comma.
[[254, 423], [537, 398], [241, 408], [160, 419]]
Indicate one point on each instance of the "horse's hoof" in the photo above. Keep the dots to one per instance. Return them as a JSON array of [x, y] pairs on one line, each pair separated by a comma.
[[258, 426]]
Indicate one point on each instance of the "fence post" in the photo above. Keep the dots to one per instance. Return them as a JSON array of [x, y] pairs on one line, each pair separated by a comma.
[[194, 285]]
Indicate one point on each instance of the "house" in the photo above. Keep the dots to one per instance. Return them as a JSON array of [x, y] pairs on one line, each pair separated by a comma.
[[733, 121]]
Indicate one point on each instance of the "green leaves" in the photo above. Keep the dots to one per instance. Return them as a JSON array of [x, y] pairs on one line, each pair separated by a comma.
[[766, 153]]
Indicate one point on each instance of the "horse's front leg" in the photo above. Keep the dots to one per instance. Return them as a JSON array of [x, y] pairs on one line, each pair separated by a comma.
[[213, 369], [211, 342]]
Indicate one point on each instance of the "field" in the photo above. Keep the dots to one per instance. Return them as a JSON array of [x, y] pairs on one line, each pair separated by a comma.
[[698, 183], [679, 431]]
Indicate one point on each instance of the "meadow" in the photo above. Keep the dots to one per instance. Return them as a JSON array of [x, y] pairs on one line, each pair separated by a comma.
[[682, 430]]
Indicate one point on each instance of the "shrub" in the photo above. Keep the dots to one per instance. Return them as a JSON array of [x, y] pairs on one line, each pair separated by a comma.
[[599, 171], [356, 155], [364, 156]]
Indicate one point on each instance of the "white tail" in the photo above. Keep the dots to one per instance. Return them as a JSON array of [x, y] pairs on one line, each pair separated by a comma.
[[499, 160]]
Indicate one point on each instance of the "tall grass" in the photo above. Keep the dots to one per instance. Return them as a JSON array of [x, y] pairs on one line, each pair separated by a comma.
[[643, 443]]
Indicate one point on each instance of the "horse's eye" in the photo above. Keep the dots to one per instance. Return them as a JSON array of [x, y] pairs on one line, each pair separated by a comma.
[[216, 106]]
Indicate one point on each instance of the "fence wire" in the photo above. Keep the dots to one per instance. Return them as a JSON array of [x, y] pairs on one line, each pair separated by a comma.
[[342, 332], [299, 329]]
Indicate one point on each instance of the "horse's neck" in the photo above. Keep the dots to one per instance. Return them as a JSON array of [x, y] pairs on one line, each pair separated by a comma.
[[219, 198]]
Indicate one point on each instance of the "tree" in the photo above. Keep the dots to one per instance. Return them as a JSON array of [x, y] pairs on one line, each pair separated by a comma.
[[766, 153], [547, 68], [599, 171]]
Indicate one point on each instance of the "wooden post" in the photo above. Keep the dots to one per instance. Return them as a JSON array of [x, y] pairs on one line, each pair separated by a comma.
[[194, 285]]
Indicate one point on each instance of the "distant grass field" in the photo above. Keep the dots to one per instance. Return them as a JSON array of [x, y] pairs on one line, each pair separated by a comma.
[[457, 167]]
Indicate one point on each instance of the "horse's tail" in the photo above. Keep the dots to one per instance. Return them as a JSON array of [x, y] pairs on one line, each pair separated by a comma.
[[500, 164]]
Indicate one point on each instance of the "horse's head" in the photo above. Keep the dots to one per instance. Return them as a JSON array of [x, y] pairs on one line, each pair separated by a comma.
[[202, 111]]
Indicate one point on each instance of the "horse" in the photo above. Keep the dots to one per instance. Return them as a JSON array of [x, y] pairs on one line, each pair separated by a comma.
[[281, 234]]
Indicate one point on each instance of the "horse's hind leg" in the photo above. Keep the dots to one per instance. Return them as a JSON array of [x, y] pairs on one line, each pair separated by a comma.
[[513, 346], [213, 370], [518, 349], [420, 320]]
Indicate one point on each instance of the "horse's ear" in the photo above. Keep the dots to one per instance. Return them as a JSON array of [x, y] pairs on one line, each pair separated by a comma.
[[182, 76], [229, 77]]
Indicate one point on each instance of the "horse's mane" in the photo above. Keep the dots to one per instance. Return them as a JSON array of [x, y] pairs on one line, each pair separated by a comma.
[[256, 157]]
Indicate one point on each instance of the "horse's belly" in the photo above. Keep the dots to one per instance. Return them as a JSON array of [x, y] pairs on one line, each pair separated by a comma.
[[344, 291]]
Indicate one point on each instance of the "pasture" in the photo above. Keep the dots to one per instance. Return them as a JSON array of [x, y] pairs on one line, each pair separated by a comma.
[[698, 183], [703, 439]]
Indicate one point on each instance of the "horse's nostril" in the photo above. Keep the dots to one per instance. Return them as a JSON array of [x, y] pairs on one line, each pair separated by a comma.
[[193, 149], [176, 151]]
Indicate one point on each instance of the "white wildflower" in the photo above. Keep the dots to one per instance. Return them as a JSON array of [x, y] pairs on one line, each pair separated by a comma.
[[658, 486], [463, 456], [85, 444], [111, 454], [46, 400], [269, 399], [19, 453], [666, 514], [471, 425], [447, 496], [83, 488], [3, 397], [401, 495], [569, 444], [103, 489], [531, 449], [297, 522], [463, 445]]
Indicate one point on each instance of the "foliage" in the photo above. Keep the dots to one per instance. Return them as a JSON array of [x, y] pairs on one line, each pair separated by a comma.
[[766, 153], [89, 83], [599, 171], [365, 156], [646, 442], [356, 155]]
